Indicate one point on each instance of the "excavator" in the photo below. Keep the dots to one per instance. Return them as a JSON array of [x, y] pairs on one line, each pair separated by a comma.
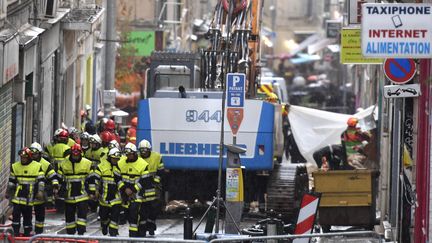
[[188, 88]]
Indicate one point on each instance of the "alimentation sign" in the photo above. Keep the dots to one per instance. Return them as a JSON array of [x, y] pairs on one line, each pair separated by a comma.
[[397, 30]]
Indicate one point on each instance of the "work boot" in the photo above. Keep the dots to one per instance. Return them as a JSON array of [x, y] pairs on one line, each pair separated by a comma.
[[151, 232], [113, 232], [142, 231], [27, 230], [104, 229]]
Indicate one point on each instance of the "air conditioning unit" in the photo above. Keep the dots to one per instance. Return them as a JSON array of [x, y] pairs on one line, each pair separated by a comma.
[[50, 8]]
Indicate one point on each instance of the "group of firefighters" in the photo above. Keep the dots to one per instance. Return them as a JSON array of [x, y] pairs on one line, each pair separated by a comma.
[[82, 172]]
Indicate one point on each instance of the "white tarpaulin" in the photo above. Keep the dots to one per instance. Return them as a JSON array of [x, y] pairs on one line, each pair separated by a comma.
[[313, 129]]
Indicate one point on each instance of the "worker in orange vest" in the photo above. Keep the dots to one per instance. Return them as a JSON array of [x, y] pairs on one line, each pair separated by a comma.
[[131, 133]]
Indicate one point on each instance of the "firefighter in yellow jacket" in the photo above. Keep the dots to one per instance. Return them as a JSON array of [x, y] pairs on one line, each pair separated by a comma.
[[151, 206], [26, 182], [96, 151], [136, 180], [51, 183], [109, 179], [76, 174], [58, 149]]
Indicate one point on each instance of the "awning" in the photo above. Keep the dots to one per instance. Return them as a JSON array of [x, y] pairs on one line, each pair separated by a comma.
[[28, 33], [308, 41], [304, 58], [318, 46], [61, 13], [9, 59], [86, 19]]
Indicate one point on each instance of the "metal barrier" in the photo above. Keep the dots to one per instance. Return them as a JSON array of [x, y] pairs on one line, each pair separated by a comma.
[[286, 237], [53, 237]]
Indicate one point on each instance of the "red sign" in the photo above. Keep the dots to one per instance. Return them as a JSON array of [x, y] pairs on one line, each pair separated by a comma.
[[399, 70], [235, 117]]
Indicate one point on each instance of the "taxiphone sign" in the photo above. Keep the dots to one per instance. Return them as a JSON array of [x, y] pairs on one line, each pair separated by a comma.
[[397, 30]]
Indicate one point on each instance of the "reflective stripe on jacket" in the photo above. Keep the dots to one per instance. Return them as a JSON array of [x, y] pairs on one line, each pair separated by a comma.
[[27, 181]]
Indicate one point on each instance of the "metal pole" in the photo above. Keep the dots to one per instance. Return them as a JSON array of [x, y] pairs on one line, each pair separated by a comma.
[[221, 143], [110, 45], [395, 167], [59, 237], [281, 237]]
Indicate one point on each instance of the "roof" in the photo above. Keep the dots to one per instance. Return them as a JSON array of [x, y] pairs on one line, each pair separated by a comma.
[[28, 33], [7, 34], [83, 18]]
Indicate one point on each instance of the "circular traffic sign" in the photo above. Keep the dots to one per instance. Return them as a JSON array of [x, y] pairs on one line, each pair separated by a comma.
[[399, 70]]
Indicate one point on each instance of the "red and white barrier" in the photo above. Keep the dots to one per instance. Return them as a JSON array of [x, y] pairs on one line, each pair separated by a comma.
[[307, 216]]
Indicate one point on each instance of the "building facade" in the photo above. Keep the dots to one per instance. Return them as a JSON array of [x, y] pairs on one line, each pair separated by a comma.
[[41, 52]]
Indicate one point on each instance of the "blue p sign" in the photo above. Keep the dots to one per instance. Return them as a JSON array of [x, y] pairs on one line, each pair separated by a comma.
[[236, 89]]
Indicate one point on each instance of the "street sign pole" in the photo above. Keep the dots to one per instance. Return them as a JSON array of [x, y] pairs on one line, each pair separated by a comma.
[[396, 166], [221, 143]]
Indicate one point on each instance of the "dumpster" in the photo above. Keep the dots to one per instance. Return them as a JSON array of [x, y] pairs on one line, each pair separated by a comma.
[[348, 197]]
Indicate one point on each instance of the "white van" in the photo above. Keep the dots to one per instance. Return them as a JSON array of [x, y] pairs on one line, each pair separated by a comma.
[[279, 87]]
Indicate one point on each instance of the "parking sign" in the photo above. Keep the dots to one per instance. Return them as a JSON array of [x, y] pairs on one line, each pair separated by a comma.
[[236, 90]]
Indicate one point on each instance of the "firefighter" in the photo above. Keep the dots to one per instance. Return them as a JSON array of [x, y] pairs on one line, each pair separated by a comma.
[[59, 149], [95, 154], [51, 183], [85, 141], [58, 152], [151, 204], [76, 175], [106, 139], [86, 122], [354, 140], [109, 179], [113, 144], [133, 169], [74, 136], [96, 150], [109, 131], [131, 133], [26, 182]]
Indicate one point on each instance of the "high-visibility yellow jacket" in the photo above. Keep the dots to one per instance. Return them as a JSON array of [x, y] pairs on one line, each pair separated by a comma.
[[108, 180], [27, 180], [50, 176], [156, 168], [57, 153], [155, 165], [135, 175], [95, 155], [77, 179]]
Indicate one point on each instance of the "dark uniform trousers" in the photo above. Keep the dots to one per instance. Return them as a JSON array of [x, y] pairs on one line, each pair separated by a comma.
[[39, 210], [148, 214], [133, 217], [109, 217], [26, 213], [72, 225]]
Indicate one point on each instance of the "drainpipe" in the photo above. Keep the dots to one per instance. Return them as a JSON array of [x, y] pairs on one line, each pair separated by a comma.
[[421, 223]]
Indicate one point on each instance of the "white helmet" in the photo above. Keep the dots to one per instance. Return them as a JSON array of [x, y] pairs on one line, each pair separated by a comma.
[[114, 144], [96, 138], [58, 131], [114, 152], [131, 147], [144, 144], [72, 130], [36, 146]]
